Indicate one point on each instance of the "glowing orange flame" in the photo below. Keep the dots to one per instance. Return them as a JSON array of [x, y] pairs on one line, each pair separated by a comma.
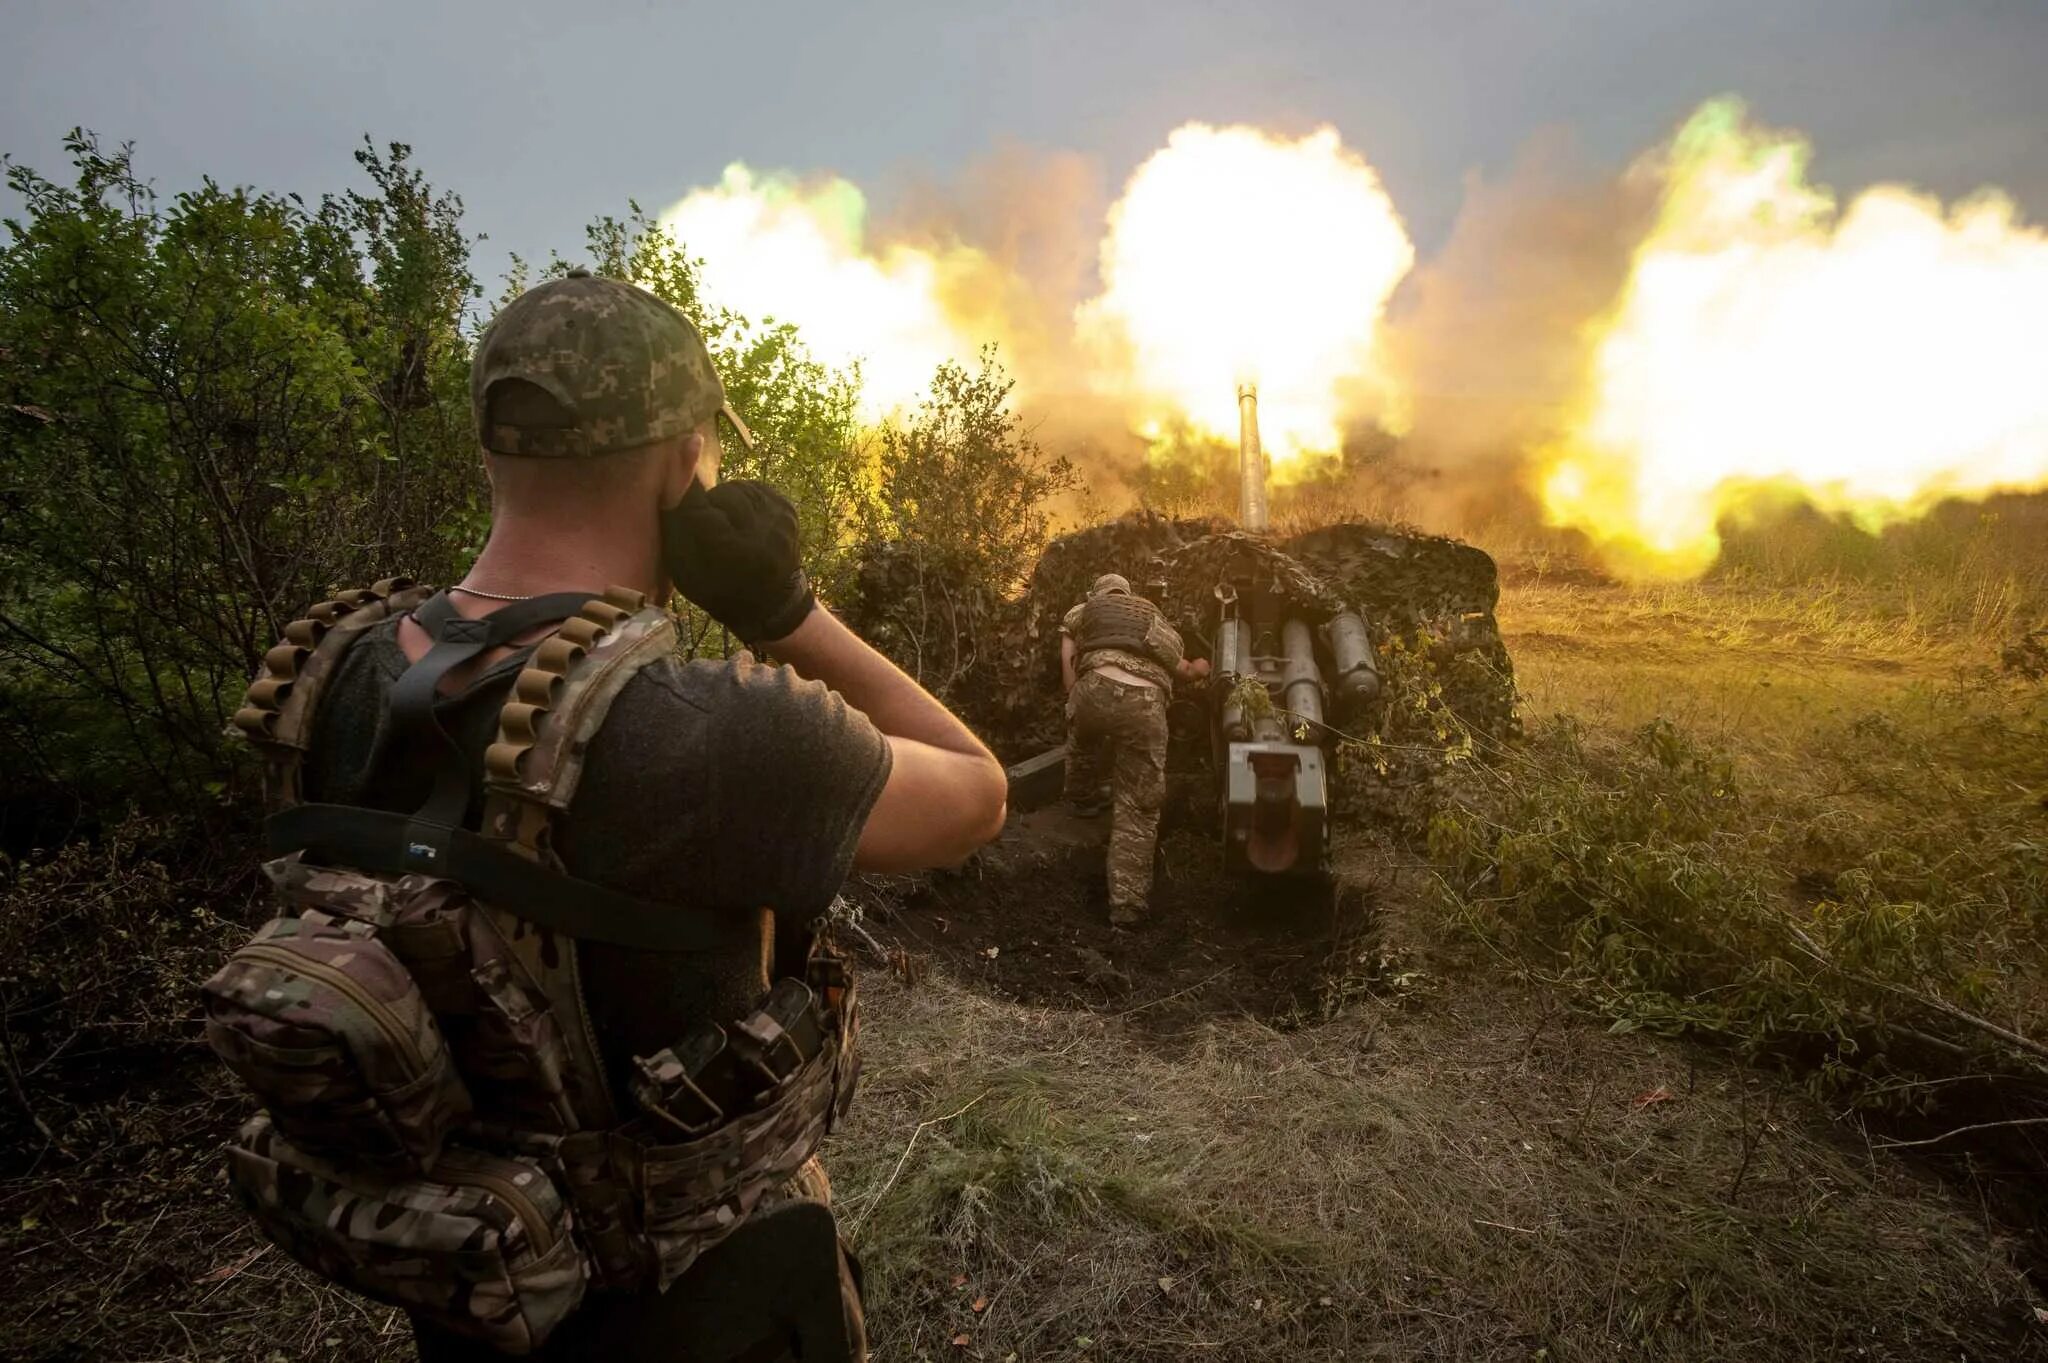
[[1237, 255], [1874, 360], [777, 249]]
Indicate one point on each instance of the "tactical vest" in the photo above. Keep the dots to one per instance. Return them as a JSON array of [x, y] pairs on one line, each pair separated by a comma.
[[438, 1130], [1128, 624]]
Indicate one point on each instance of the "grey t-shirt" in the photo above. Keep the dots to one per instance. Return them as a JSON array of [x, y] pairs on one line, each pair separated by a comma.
[[732, 785]]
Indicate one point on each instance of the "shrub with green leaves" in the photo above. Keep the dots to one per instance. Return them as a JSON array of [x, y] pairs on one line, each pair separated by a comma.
[[962, 508], [212, 412], [1874, 921], [217, 410]]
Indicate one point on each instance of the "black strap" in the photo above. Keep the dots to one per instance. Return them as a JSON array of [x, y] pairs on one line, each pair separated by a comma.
[[457, 639], [401, 844], [432, 839]]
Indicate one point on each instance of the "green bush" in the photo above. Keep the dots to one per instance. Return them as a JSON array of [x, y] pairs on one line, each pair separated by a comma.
[[216, 411], [962, 507], [212, 412], [1868, 921]]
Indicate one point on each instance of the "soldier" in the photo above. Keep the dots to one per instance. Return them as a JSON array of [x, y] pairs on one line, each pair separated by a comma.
[[1118, 661], [728, 797]]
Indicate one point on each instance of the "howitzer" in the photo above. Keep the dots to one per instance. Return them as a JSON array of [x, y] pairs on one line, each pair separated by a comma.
[[1284, 653], [1271, 693]]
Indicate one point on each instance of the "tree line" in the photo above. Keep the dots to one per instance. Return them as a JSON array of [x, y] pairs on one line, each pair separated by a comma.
[[219, 406]]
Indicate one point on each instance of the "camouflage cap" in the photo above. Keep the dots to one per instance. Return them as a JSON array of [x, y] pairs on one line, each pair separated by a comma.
[[626, 366], [1110, 582]]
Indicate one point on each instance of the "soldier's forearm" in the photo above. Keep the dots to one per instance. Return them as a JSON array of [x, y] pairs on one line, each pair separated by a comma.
[[825, 650]]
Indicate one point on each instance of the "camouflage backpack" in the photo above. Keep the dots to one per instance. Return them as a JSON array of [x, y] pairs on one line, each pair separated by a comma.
[[438, 1129]]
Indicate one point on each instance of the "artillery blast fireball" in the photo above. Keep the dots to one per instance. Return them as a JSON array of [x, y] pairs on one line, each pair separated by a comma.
[[1235, 256], [1874, 361], [788, 251], [1765, 343]]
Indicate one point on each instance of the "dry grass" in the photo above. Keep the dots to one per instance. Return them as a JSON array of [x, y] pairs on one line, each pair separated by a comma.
[[1483, 1178], [1457, 1170], [125, 1244], [1754, 667]]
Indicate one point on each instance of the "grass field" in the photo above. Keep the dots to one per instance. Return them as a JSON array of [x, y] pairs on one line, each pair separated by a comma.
[[1576, 1095], [1489, 1152]]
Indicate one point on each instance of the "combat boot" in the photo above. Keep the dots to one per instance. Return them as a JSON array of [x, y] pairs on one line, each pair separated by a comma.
[[1126, 915]]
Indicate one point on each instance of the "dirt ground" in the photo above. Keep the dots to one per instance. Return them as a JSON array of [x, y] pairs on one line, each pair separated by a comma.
[[1252, 1130], [1027, 922]]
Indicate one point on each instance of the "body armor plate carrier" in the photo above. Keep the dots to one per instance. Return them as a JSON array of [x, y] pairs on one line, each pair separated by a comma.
[[438, 1131], [1128, 624]]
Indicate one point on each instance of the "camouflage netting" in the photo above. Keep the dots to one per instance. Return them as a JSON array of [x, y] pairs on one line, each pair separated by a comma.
[[1400, 576], [1253, 565], [1428, 601], [1136, 544]]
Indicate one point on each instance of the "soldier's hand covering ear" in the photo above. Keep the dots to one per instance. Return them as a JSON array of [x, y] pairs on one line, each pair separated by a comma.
[[733, 549]]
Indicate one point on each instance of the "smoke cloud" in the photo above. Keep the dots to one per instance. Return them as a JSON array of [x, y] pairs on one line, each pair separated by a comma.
[[1458, 392], [1490, 336]]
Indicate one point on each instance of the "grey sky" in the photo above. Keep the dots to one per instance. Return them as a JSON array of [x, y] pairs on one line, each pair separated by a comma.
[[542, 115]]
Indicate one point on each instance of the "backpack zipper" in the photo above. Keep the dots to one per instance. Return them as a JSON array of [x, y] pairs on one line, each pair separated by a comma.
[[339, 981], [539, 1231]]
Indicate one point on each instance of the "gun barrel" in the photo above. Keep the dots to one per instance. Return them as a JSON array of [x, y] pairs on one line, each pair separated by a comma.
[[1251, 461]]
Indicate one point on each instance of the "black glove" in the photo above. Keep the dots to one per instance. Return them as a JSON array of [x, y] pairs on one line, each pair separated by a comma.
[[733, 551]]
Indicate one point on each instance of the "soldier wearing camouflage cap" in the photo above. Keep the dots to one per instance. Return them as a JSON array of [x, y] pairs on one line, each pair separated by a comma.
[[622, 368], [1118, 660], [739, 792]]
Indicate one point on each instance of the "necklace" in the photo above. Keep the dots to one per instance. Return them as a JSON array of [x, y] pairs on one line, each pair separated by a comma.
[[489, 596]]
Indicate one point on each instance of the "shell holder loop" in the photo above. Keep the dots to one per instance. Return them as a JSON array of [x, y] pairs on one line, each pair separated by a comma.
[[276, 714], [434, 840], [558, 703]]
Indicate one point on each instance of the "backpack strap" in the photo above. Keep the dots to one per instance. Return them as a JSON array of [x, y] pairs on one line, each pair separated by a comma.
[[558, 702], [458, 639], [585, 664], [386, 843], [277, 712]]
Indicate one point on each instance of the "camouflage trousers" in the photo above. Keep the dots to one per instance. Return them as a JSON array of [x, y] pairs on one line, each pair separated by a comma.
[[1129, 721]]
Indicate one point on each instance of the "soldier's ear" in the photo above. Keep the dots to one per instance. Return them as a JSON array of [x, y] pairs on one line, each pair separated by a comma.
[[685, 461]]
